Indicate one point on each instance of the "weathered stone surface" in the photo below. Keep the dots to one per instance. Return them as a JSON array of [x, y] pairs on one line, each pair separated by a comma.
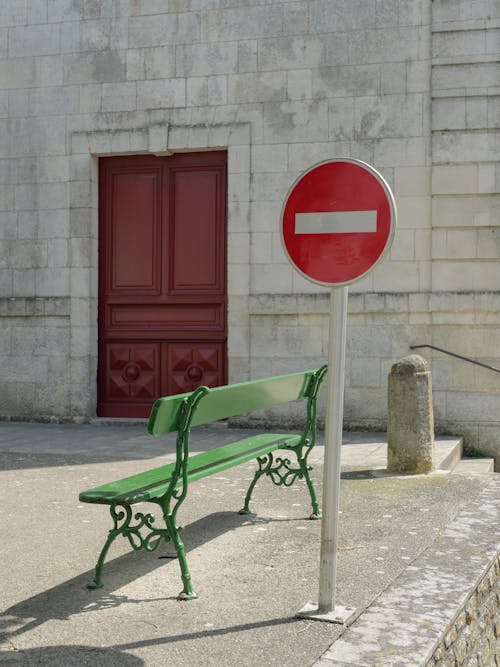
[[410, 429]]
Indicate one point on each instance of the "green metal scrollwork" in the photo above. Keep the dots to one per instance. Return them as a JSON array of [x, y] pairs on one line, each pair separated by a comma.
[[122, 517], [280, 469], [279, 478]]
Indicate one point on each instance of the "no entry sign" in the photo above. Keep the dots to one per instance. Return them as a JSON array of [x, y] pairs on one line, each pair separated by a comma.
[[338, 221]]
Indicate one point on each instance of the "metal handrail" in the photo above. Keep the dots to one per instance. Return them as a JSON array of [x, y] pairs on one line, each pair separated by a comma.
[[458, 356]]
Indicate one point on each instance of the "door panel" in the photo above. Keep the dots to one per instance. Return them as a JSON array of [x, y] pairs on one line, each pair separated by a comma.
[[189, 366], [193, 234], [135, 247], [162, 278]]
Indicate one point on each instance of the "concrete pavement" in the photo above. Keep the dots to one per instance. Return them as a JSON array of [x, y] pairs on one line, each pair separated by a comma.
[[253, 573]]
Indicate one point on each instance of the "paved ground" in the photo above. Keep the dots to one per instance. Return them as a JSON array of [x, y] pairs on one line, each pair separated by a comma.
[[253, 573]]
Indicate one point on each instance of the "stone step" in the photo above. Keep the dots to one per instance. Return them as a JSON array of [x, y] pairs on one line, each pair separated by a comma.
[[447, 452], [476, 465]]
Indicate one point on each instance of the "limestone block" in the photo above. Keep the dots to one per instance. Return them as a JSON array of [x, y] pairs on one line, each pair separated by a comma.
[[260, 249], [303, 155], [481, 146], [23, 282], [404, 274], [418, 74], [118, 39], [465, 76], [364, 372], [57, 252], [271, 279], [410, 427], [269, 187], [471, 211], [369, 341], [272, 158], [98, 67], [149, 31], [344, 15], [422, 244], [486, 178], [34, 40], [52, 282], [12, 13], [6, 277], [299, 84], [480, 113], [389, 116], [385, 45], [413, 212], [296, 18], [400, 152], [463, 275], [8, 225], [453, 44], [119, 96], [403, 247], [256, 87], [159, 62], [238, 341], [19, 73], [341, 118], [27, 225], [294, 52], [217, 90], [393, 79], [161, 93], [135, 64], [94, 35], [454, 179], [247, 55], [244, 22], [53, 224], [52, 196], [295, 121], [448, 114], [479, 407], [238, 279], [239, 248], [206, 59], [197, 91]]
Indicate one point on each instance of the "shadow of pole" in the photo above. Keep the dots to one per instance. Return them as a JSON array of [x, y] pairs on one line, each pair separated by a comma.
[[71, 655]]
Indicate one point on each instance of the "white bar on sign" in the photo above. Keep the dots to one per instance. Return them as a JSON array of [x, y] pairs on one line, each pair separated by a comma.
[[336, 222]]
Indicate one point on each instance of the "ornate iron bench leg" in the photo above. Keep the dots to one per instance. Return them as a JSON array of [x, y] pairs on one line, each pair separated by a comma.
[[187, 593], [263, 462], [117, 516], [316, 513]]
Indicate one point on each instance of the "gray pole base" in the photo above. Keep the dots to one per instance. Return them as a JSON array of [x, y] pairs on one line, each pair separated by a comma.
[[340, 614]]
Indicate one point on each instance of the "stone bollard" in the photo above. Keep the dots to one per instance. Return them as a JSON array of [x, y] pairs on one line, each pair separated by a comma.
[[410, 425]]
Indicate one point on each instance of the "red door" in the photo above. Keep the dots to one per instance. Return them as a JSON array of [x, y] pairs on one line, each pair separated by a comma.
[[162, 278]]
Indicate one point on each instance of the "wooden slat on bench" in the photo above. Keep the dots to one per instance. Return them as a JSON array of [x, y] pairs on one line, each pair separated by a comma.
[[230, 400], [154, 483]]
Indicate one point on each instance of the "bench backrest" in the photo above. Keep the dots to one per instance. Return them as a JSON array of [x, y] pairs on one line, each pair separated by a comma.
[[231, 400]]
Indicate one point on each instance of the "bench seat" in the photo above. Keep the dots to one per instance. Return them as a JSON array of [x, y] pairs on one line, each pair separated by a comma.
[[152, 484]]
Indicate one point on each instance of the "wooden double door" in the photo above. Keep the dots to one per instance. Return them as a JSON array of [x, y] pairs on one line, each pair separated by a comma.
[[162, 278]]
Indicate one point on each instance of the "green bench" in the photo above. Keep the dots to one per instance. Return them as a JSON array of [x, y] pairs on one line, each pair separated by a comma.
[[167, 485]]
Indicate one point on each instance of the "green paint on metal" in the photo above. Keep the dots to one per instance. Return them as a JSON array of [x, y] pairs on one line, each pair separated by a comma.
[[167, 486], [230, 400]]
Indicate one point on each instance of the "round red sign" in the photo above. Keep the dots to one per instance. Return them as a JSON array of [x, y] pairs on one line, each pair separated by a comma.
[[338, 221]]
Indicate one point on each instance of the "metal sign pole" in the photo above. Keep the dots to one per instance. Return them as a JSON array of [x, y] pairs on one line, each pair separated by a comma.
[[327, 610]]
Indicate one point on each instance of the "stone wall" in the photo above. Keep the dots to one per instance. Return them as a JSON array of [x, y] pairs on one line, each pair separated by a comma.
[[473, 638], [409, 87]]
